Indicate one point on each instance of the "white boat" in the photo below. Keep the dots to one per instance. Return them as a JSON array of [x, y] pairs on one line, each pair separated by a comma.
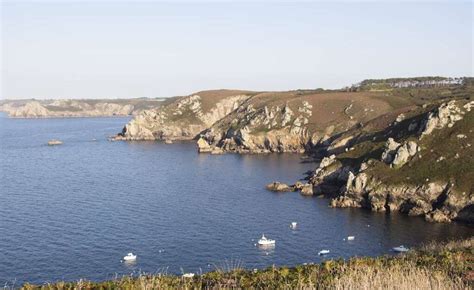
[[265, 242], [400, 249], [350, 238], [130, 257], [323, 252], [188, 275], [54, 142], [293, 225]]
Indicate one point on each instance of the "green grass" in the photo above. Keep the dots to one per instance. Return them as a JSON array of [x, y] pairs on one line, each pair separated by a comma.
[[457, 167]]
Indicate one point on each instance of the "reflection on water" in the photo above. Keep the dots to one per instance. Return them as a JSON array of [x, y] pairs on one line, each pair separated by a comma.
[[73, 211], [266, 250], [130, 264]]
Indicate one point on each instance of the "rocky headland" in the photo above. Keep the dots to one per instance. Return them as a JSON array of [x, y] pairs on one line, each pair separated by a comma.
[[68, 108], [397, 145]]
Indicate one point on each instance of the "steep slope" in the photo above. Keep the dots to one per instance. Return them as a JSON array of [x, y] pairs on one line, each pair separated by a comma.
[[295, 121], [183, 118], [419, 162]]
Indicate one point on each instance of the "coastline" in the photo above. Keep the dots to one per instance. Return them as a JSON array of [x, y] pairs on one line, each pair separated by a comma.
[[65, 117], [446, 265]]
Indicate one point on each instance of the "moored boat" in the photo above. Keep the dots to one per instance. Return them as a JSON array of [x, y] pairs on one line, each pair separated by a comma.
[[323, 252], [265, 242], [400, 249], [54, 142], [130, 257]]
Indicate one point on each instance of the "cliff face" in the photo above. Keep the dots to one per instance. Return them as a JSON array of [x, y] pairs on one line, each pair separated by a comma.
[[183, 118], [250, 122], [75, 108], [421, 164], [296, 121]]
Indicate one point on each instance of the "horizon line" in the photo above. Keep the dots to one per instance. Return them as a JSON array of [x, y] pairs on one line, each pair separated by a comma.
[[43, 98]]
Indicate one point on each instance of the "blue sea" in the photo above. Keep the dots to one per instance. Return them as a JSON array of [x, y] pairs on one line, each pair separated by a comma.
[[73, 211]]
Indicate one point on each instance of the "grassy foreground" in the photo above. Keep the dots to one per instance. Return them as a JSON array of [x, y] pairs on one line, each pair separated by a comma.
[[434, 266]]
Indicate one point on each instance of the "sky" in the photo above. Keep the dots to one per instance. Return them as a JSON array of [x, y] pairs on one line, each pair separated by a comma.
[[120, 49]]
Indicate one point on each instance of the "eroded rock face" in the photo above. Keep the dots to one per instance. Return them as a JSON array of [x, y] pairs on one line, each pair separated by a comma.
[[444, 116], [390, 150], [183, 119], [34, 109], [262, 130], [435, 201], [307, 190], [404, 153], [203, 146], [329, 176], [352, 180], [397, 154]]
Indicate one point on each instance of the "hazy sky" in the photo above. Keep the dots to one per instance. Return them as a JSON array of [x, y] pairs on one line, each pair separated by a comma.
[[154, 49]]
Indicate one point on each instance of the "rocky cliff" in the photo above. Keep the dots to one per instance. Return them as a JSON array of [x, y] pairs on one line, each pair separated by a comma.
[[76, 108], [386, 148], [295, 121], [185, 117], [421, 164], [260, 122]]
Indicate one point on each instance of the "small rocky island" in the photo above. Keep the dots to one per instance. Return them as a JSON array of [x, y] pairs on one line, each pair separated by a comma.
[[387, 145]]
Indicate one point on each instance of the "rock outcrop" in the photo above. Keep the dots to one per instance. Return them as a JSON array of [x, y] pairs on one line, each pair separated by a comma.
[[443, 116], [279, 187], [362, 180], [307, 190], [203, 146], [397, 154], [435, 201], [263, 130], [182, 119]]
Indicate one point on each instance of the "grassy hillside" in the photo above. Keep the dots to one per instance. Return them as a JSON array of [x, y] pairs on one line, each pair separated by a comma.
[[444, 156]]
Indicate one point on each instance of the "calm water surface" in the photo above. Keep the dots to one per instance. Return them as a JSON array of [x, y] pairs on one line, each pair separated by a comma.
[[73, 211]]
